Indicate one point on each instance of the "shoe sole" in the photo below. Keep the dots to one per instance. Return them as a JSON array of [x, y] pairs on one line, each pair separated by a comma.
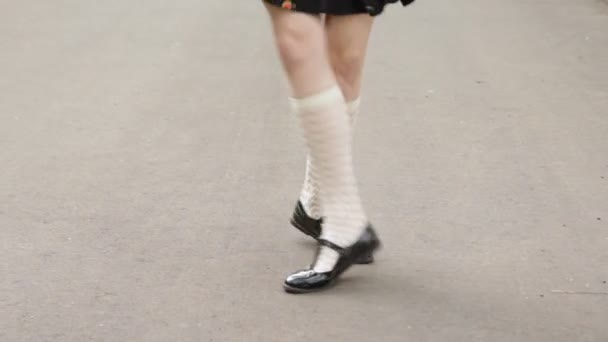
[[295, 290]]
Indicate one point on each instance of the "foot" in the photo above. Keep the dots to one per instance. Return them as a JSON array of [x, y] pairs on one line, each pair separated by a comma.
[[312, 228], [310, 281]]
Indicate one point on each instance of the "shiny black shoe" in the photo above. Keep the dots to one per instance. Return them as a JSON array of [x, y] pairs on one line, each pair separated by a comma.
[[305, 223], [310, 281], [312, 228]]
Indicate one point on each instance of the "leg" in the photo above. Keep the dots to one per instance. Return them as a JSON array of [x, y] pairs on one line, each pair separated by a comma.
[[348, 38], [301, 43], [319, 103]]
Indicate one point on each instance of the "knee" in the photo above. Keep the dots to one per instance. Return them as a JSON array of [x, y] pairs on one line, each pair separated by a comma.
[[347, 66], [296, 45]]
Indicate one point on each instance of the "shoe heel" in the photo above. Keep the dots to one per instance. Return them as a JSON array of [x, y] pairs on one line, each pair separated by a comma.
[[366, 259]]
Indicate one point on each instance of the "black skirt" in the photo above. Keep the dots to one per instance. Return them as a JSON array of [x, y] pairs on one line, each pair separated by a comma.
[[336, 7]]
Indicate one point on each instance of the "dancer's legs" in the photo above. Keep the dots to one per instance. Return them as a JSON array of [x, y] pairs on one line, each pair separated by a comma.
[[319, 102]]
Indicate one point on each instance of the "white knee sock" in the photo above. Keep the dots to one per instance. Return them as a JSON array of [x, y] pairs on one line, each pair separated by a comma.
[[327, 133], [309, 196], [352, 108]]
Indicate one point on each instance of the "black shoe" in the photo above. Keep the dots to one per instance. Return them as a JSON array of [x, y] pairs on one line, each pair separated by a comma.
[[312, 227], [305, 223], [310, 281]]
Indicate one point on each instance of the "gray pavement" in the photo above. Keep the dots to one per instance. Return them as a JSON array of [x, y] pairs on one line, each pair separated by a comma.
[[148, 167]]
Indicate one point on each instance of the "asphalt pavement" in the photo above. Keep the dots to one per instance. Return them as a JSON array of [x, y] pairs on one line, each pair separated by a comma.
[[149, 166]]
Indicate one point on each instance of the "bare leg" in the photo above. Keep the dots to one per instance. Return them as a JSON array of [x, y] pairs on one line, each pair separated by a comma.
[[348, 38], [302, 46]]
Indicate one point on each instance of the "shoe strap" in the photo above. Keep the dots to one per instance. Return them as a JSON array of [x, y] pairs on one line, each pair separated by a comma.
[[329, 244]]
